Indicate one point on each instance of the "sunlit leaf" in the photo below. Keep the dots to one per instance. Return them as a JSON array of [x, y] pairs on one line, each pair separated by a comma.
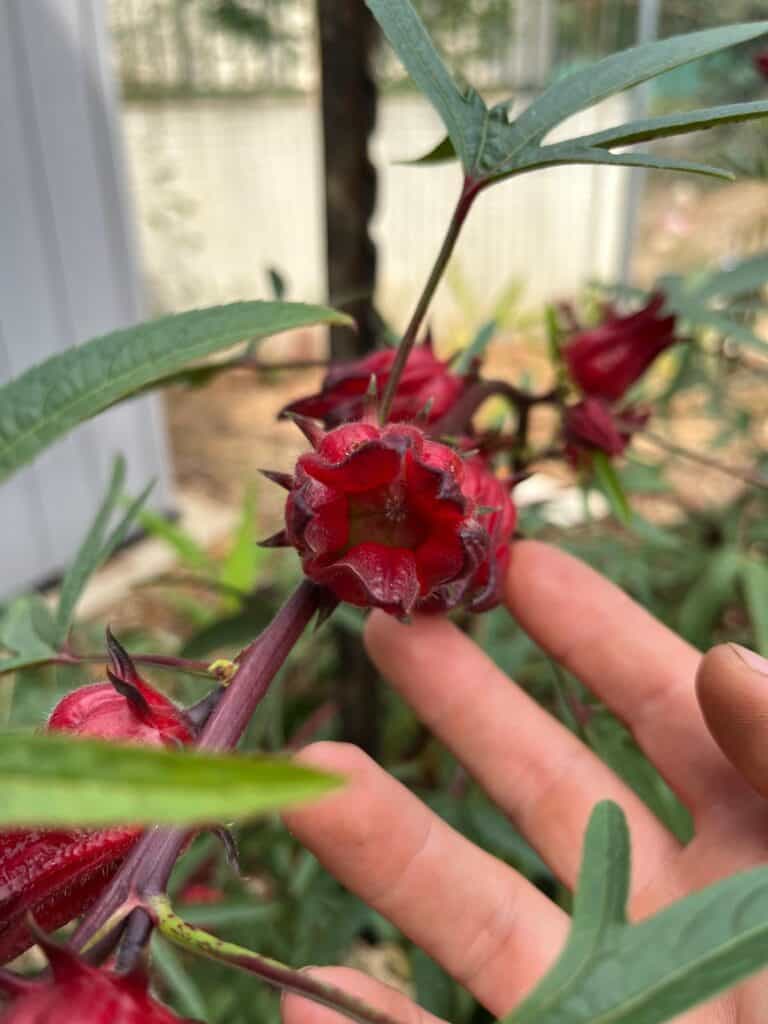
[[49, 399], [55, 779]]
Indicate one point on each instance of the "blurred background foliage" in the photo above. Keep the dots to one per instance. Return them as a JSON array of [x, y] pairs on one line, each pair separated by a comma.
[[695, 553]]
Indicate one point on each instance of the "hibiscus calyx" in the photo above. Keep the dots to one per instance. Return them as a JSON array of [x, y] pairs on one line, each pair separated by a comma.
[[386, 517], [56, 874], [76, 991], [605, 361], [427, 388], [592, 425]]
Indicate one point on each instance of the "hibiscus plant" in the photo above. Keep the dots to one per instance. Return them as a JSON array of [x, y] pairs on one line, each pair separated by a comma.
[[405, 501]]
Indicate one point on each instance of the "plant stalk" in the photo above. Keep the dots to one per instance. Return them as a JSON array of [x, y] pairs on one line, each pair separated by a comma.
[[271, 971], [469, 190], [146, 870]]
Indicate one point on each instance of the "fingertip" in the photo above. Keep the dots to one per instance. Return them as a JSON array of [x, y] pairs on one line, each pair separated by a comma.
[[732, 689], [345, 759]]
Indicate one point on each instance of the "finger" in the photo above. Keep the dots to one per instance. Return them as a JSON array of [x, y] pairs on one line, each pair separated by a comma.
[[296, 1010], [537, 771], [485, 923], [642, 670], [732, 687]]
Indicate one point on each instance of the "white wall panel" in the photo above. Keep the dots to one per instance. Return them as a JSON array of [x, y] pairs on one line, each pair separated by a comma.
[[67, 269]]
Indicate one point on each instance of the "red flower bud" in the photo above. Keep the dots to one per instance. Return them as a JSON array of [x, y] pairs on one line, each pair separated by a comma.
[[426, 383], [387, 518], [499, 517], [607, 360], [761, 63], [80, 994], [591, 425], [57, 874]]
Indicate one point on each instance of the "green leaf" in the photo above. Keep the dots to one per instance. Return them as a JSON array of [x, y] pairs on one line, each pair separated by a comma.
[[463, 114], [442, 153], [476, 347], [48, 400], [502, 149], [754, 575], [571, 153], [190, 553], [620, 71], [673, 124], [745, 277], [612, 972], [241, 564], [189, 998], [28, 630], [611, 486], [703, 605], [96, 549], [700, 316], [51, 780], [614, 745]]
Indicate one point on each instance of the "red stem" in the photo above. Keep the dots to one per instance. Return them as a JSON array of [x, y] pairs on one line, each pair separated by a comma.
[[157, 660], [146, 870], [469, 190]]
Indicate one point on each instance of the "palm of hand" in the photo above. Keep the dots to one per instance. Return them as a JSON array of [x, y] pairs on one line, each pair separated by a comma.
[[481, 920]]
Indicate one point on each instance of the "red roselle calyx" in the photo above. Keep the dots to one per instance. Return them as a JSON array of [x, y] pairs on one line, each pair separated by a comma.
[[385, 517], [591, 425], [79, 994], [761, 63], [55, 873], [607, 360], [427, 387]]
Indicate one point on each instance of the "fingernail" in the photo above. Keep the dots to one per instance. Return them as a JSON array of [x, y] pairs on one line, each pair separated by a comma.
[[751, 659]]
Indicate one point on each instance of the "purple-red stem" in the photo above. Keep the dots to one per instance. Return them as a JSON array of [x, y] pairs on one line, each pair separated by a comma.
[[156, 660], [146, 870], [469, 190], [458, 417]]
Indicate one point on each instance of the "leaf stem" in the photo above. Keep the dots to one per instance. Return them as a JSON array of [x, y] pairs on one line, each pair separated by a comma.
[[745, 475], [271, 971], [198, 668], [458, 417], [469, 190]]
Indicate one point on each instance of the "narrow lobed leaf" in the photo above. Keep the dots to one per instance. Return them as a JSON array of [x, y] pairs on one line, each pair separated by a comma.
[[612, 972], [620, 71], [743, 278], [411, 42], [95, 549], [52, 780], [673, 124], [49, 399]]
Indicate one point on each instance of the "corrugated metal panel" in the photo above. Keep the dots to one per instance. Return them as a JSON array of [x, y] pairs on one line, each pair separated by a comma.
[[67, 268]]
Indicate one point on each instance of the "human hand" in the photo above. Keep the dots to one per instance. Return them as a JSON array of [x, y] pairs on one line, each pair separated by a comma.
[[486, 924]]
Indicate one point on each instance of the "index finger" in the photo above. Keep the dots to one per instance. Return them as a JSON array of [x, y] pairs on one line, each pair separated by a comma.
[[638, 667]]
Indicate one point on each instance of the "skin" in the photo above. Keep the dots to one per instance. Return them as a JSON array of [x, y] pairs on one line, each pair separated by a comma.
[[701, 720]]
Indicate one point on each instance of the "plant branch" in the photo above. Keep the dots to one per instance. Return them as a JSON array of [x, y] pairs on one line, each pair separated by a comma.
[[148, 866], [469, 190], [198, 668], [457, 419], [271, 971], [745, 475]]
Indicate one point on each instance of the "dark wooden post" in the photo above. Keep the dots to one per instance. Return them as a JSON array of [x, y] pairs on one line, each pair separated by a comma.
[[347, 36]]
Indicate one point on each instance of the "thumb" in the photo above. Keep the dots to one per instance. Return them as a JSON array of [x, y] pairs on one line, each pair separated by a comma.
[[732, 687]]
